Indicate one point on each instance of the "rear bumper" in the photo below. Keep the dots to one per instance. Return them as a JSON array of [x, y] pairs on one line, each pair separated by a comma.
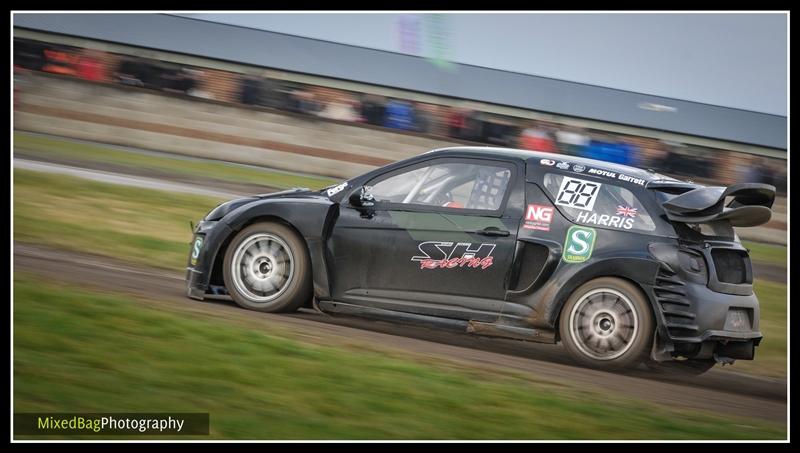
[[709, 325], [699, 316], [717, 316]]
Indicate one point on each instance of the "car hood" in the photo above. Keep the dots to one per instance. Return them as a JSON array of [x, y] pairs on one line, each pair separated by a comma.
[[223, 209]]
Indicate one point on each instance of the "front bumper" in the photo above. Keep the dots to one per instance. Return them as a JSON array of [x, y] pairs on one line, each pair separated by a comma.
[[202, 260]]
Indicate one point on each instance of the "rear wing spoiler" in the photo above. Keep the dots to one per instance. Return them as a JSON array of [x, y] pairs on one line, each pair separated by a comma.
[[750, 205]]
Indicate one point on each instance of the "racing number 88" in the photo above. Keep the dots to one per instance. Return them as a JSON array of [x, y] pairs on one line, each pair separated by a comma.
[[578, 193]]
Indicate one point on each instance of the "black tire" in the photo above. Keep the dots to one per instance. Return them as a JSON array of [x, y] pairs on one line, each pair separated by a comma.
[[600, 316], [280, 260], [682, 367]]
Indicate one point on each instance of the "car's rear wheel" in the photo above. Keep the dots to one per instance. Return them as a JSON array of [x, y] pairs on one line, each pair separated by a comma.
[[607, 323], [267, 268]]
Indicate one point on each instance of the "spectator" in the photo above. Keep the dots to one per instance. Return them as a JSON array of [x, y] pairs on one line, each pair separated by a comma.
[[29, 54], [355, 107], [498, 133], [668, 163], [282, 95], [778, 170], [139, 72], [473, 126], [456, 122], [684, 162], [746, 168], [59, 61], [373, 110], [341, 110], [765, 173], [126, 74], [534, 138], [571, 141], [609, 149], [250, 92], [90, 68], [271, 96], [196, 89], [180, 80], [305, 102], [422, 120], [399, 115]]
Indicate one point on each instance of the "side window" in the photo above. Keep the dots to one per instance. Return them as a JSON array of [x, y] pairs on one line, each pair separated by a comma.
[[598, 203], [453, 185]]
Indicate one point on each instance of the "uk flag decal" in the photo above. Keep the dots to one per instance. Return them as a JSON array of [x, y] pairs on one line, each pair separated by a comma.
[[626, 211]]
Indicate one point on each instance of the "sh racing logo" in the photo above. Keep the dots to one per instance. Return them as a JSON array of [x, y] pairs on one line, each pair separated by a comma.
[[447, 255]]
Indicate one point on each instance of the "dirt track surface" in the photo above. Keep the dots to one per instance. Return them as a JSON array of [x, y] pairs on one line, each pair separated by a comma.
[[722, 391]]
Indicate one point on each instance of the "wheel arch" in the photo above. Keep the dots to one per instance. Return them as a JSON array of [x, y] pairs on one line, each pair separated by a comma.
[[636, 271], [309, 220]]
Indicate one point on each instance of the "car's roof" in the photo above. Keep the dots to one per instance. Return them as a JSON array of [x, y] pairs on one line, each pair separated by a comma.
[[536, 156]]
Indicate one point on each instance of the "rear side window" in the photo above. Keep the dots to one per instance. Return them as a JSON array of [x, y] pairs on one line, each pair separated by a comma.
[[598, 203]]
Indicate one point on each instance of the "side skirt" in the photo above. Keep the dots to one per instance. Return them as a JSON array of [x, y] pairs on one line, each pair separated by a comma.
[[457, 325], [513, 332]]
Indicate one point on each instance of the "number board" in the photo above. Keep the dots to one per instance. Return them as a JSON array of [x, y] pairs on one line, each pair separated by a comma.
[[577, 193]]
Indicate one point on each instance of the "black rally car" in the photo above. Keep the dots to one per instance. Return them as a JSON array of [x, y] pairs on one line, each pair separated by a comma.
[[620, 264]]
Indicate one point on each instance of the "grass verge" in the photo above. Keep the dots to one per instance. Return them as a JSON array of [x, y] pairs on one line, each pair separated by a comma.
[[43, 146], [140, 225], [79, 351], [767, 253]]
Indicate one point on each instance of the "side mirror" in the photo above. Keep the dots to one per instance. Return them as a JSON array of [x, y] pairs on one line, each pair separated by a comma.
[[362, 198]]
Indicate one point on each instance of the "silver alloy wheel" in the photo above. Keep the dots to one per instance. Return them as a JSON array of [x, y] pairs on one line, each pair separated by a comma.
[[603, 324], [262, 267]]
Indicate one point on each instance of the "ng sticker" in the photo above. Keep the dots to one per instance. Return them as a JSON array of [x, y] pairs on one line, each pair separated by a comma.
[[579, 244], [577, 193], [538, 217]]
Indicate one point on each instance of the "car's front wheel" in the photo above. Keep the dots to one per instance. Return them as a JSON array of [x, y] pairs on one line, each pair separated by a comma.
[[267, 268], [607, 323]]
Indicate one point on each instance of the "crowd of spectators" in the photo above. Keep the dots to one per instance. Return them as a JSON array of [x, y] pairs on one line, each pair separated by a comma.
[[471, 125], [463, 122]]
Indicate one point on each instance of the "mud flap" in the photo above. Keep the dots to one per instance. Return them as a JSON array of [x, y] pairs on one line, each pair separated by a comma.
[[723, 360], [315, 306], [662, 350]]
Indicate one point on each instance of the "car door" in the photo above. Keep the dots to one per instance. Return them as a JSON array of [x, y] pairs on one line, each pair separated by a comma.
[[439, 239]]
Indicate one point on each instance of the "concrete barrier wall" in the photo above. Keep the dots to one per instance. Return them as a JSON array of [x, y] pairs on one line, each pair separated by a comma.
[[126, 116]]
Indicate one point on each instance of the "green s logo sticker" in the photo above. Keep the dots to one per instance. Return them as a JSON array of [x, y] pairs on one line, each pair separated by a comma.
[[198, 244], [579, 244]]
